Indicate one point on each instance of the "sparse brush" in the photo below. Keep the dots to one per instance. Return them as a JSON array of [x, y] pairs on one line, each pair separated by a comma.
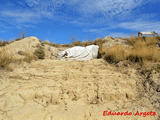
[[139, 51], [115, 54], [3, 43], [142, 41], [145, 53], [85, 43], [76, 43], [5, 58]]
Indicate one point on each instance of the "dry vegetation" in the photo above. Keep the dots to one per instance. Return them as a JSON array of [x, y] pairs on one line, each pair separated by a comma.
[[139, 50], [29, 57], [5, 58], [3, 43], [77, 43], [39, 52], [56, 84]]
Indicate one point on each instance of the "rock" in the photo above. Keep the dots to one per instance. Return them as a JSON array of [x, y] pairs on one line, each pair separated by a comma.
[[109, 42]]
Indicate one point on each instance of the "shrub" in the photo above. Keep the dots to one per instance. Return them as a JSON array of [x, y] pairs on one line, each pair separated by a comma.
[[116, 53], [3, 43], [76, 43], [110, 59], [5, 58], [39, 52], [139, 51]]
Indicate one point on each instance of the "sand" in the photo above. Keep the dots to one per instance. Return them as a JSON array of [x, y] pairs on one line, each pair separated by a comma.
[[52, 89], [70, 90]]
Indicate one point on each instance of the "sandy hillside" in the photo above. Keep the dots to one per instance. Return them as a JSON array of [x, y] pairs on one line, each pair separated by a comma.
[[52, 89]]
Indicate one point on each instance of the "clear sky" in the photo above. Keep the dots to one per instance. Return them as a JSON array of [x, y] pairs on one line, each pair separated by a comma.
[[58, 20]]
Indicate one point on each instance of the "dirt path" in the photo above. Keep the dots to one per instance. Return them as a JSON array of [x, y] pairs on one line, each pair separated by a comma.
[[67, 90]]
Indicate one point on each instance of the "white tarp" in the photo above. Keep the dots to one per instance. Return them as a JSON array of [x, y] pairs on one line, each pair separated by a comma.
[[80, 53]]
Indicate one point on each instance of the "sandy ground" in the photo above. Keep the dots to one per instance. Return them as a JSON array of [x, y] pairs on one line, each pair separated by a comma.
[[70, 90]]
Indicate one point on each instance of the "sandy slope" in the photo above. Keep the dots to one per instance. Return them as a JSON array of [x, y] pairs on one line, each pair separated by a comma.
[[70, 90]]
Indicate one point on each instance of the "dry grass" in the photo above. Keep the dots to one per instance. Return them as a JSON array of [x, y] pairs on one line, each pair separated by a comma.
[[29, 57], [139, 50], [115, 54], [5, 58], [142, 41], [98, 41], [3, 43]]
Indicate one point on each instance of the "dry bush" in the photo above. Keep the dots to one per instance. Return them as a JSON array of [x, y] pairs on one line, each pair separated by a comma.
[[86, 43], [141, 41], [27, 56], [144, 54], [76, 43], [115, 54], [3, 43], [65, 45], [5, 58], [140, 51], [39, 52]]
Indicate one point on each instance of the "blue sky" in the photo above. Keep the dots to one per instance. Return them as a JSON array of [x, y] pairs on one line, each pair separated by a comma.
[[58, 20]]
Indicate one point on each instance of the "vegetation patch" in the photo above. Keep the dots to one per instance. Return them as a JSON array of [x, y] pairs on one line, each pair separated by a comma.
[[39, 52], [3, 43], [139, 50], [5, 58]]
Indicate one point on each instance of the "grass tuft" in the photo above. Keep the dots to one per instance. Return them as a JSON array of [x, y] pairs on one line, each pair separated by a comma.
[[5, 58], [139, 50]]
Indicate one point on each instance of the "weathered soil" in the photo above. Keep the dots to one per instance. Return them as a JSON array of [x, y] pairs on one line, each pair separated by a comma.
[[52, 89], [72, 90]]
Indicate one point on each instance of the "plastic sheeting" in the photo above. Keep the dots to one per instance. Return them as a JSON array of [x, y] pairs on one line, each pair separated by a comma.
[[80, 53]]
